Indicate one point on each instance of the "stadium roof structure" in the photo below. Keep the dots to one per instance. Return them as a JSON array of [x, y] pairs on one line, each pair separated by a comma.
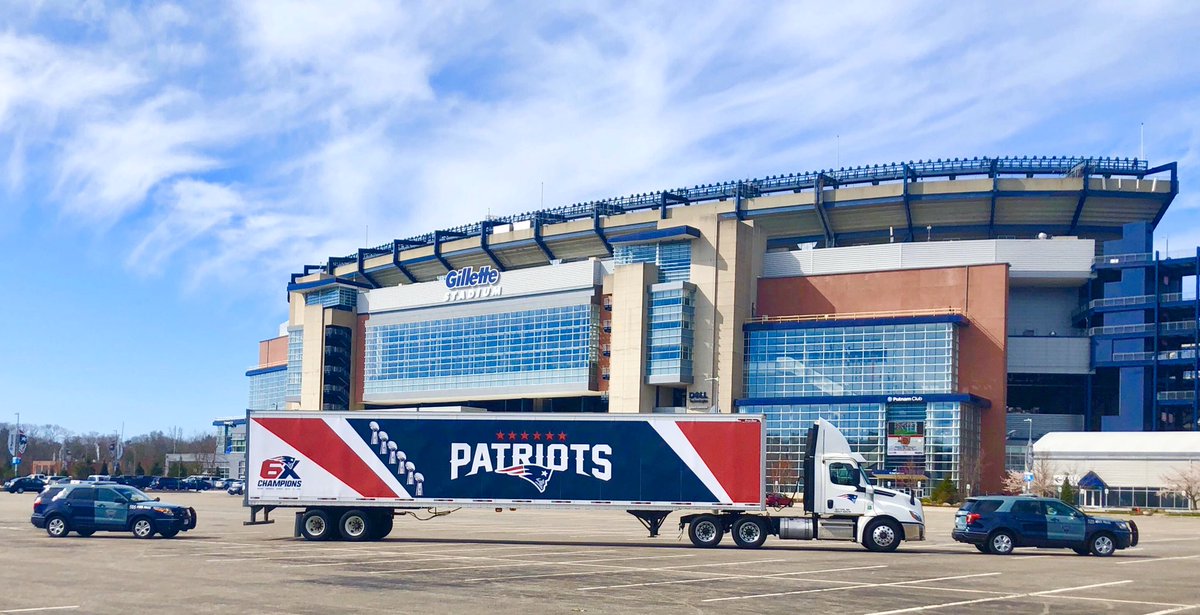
[[968, 198]]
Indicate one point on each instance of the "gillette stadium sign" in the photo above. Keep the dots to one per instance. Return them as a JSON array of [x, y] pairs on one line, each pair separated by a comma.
[[471, 283]]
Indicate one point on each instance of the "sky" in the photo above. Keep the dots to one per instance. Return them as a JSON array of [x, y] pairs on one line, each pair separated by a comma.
[[164, 167]]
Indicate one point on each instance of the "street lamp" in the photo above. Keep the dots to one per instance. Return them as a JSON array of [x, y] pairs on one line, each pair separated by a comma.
[[1028, 453]]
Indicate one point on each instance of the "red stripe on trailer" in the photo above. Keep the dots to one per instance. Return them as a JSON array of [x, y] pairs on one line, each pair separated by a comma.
[[732, 452], [314, 439]]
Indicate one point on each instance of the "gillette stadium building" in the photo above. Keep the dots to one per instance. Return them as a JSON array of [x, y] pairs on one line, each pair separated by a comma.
[[927, 308]]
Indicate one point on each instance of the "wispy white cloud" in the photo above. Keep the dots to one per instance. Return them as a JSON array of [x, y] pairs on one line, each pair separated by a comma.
[[269, 134]]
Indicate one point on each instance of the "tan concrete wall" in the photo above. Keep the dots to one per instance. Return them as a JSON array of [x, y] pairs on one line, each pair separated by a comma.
[[273, 352], [627, 391], [313, 357]]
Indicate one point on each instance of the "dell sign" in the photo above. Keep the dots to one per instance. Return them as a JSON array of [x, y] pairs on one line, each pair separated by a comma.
[[469, 283]]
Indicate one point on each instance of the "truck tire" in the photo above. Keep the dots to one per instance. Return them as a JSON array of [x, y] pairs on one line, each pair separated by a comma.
[[315, 525], [1001, 542], [706, 531], [882, 535], [357, 525], [749, 532], [383, 524], [1102, 544]]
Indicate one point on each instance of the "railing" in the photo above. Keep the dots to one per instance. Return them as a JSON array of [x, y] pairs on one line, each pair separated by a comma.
[[857, 315], [1127, 301], [1132, 356], [1166, 355], [792, 182], [1120, 329], [1179, 325]]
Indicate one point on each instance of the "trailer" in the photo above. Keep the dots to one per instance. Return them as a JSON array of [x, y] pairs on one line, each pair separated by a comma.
[[351, 473]]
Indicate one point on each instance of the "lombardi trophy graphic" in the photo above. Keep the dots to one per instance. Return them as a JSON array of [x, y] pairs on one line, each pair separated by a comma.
[[420, 480], [410, 467], [374, 432], [391, 446], [383, 438], [400, 459]]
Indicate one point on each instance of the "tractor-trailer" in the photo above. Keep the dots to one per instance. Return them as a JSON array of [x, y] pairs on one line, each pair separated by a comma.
[[352, 472]]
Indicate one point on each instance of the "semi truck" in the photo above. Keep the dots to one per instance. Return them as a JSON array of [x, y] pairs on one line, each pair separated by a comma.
[[351, 473]]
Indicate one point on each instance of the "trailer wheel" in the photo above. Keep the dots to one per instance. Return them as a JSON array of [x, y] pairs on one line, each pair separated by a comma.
[[383, 524], [706, 531], [315, 525], [882, 535], [357, 525], [749, 532]]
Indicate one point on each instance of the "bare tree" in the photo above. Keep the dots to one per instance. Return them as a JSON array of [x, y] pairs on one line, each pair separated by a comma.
[[1185, 482], [1043, 480]]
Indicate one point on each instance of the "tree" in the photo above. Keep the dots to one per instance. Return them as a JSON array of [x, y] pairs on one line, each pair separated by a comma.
[[1068, 493], [104, 468], [945, 492], [1184, 482], [1043, 481], [140, 471], [156, 469]]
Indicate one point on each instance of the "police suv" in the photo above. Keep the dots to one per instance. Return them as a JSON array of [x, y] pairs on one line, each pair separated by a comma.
[[85, 508]]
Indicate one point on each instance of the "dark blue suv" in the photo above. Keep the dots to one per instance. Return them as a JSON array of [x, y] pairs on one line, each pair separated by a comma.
[[998, 524], [85, 508]]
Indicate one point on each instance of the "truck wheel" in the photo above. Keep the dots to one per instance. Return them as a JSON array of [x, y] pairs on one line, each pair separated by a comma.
[[1102, 544], [882, 535], [706, 531], [315, 525], [357, 525], [749, 533], [383, 524], [1001, 543], [57, 527]]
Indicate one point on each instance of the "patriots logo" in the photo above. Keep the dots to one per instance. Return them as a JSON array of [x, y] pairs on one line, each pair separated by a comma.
[[850, 496], [538, 476]]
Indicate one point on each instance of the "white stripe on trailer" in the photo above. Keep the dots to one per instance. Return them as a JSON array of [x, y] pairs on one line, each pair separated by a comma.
[[342, 428], [673, 436]]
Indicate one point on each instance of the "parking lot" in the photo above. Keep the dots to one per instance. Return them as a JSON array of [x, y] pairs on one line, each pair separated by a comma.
[[568, 561]]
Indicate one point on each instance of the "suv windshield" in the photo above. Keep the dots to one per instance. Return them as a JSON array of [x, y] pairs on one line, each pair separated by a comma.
[[134, 495]]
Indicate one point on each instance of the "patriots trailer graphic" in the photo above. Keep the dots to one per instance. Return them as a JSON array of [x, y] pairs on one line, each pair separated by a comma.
[[351, 472]]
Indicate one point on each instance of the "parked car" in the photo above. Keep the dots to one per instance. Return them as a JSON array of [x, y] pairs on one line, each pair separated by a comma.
[[86, 508], [165, 483], [195, 483], [22, 484], [236, 487], [998, 524]]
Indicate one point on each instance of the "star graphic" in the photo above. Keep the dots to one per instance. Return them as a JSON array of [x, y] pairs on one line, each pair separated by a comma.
[[562, 435], [549, 435], [537, 436], [499, 435], [524, 435], [512, 435]]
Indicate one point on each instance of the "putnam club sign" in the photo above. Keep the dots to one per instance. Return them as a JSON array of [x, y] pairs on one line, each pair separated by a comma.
[[471, 283]]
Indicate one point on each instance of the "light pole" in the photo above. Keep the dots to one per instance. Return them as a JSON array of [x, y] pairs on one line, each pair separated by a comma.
[[1028, 453]]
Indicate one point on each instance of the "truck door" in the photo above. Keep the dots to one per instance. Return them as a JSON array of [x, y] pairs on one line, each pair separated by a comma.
[[844, 492]]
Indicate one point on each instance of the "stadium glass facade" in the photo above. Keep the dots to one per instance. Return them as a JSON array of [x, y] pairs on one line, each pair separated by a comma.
[[267, 388], [839, 294], [508, 349]]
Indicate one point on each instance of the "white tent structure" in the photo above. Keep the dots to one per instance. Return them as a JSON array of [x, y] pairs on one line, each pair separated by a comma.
[[1120, 469]]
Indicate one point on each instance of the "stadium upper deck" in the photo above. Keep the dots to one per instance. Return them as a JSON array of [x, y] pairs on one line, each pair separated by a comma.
[[924, 200]]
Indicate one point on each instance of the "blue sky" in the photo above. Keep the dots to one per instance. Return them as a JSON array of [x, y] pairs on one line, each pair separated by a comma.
[[163, 167]]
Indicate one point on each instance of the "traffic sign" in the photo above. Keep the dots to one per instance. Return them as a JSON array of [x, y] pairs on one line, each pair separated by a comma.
[[1029, 477]]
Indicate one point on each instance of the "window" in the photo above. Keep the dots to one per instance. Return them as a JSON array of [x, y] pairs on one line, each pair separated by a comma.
[[843, 474], [1058, 510], [674, 258], [1027, 507], [986, 506], [109, 495], [82, 493]]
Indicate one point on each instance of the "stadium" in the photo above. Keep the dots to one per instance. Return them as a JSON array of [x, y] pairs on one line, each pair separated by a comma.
[[923, 307]]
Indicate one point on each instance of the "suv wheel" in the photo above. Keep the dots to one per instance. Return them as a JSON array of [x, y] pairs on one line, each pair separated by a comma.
[[1102, 545], [143, 528], [1001, 543], [57, 527]]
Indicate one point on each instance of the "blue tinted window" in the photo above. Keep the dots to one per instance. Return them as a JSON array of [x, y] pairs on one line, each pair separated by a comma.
[[674, 258]]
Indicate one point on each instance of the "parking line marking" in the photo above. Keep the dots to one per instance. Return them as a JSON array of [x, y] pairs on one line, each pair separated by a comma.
[[41, 608], [625, 569], [858, 586], [1156, 559], [1182, 608], [930, 607], [729, 576], [515, 564], [1121, 601]]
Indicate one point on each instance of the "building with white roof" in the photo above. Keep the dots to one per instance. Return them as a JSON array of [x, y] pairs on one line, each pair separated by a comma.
[[1121, 469]]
